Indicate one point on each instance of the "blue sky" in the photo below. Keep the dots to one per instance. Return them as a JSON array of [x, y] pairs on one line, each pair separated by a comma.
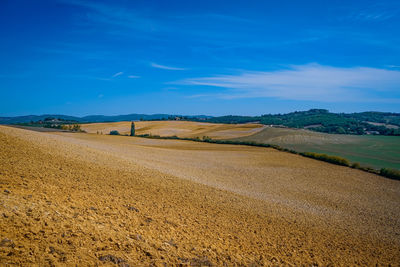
[[81, 57]]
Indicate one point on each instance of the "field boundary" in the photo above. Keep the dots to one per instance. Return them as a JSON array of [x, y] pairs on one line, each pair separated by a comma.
[[384, 172]]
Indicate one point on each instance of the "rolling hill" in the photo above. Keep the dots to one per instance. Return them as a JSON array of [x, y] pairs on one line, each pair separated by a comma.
[[178, 128], [91, 118], [369, 150], [102, 199], [319, 120]]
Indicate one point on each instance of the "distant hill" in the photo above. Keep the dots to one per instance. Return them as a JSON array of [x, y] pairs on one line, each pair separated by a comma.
[[321, 120], [94, 118], [29, 118]]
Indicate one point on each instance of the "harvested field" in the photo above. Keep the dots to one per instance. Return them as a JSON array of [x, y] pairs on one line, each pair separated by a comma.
[[178, 128], [274, 135], [87, 199]]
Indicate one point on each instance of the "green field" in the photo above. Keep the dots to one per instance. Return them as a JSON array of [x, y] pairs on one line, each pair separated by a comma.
[[374, 151]]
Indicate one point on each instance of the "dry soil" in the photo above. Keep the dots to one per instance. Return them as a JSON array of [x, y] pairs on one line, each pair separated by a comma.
[[178, 128], [88, 199]]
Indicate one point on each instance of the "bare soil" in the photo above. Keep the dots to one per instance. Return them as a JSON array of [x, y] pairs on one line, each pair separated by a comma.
[[87, 199], [178, 128]]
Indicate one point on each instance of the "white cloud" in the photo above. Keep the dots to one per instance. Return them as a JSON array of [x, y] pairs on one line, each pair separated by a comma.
[[133, 77], [312, 82], [158, 66], [117, 74]]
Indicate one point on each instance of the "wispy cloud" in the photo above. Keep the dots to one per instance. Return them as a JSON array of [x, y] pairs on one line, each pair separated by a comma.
[[215, 16], [117, 74], [117, 19], [133, 77], [371, 16], [312, 82], [164, 67], [170, 88], [378, 11], [113, 15]]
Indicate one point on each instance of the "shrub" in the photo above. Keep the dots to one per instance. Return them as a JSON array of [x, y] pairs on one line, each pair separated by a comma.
[[327, 158], [206, 139], [390, 173], [69, 127], [114, 132], [356, 165], [369, 169]]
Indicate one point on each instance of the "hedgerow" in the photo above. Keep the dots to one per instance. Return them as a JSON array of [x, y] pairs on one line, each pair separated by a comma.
[[324, 157], [390, 173]]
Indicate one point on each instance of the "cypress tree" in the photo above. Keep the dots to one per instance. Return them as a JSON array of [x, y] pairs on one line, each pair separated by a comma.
[[132, 129]]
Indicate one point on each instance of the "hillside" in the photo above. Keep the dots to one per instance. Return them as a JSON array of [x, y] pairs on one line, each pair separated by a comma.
[[373, 151], [92, 118], [178, 128], [104, 199], [369, 150], [319, 120], [322, 120]]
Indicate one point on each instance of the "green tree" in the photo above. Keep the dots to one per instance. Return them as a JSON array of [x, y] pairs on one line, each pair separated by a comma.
[[132, 129], [76, 128], [340, 130]]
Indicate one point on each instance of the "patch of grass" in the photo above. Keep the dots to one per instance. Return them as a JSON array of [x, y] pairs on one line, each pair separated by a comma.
[[374, 151]]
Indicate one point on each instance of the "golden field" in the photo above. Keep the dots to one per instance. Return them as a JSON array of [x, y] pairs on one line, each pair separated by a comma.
[[88, 199], [179, 128]]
